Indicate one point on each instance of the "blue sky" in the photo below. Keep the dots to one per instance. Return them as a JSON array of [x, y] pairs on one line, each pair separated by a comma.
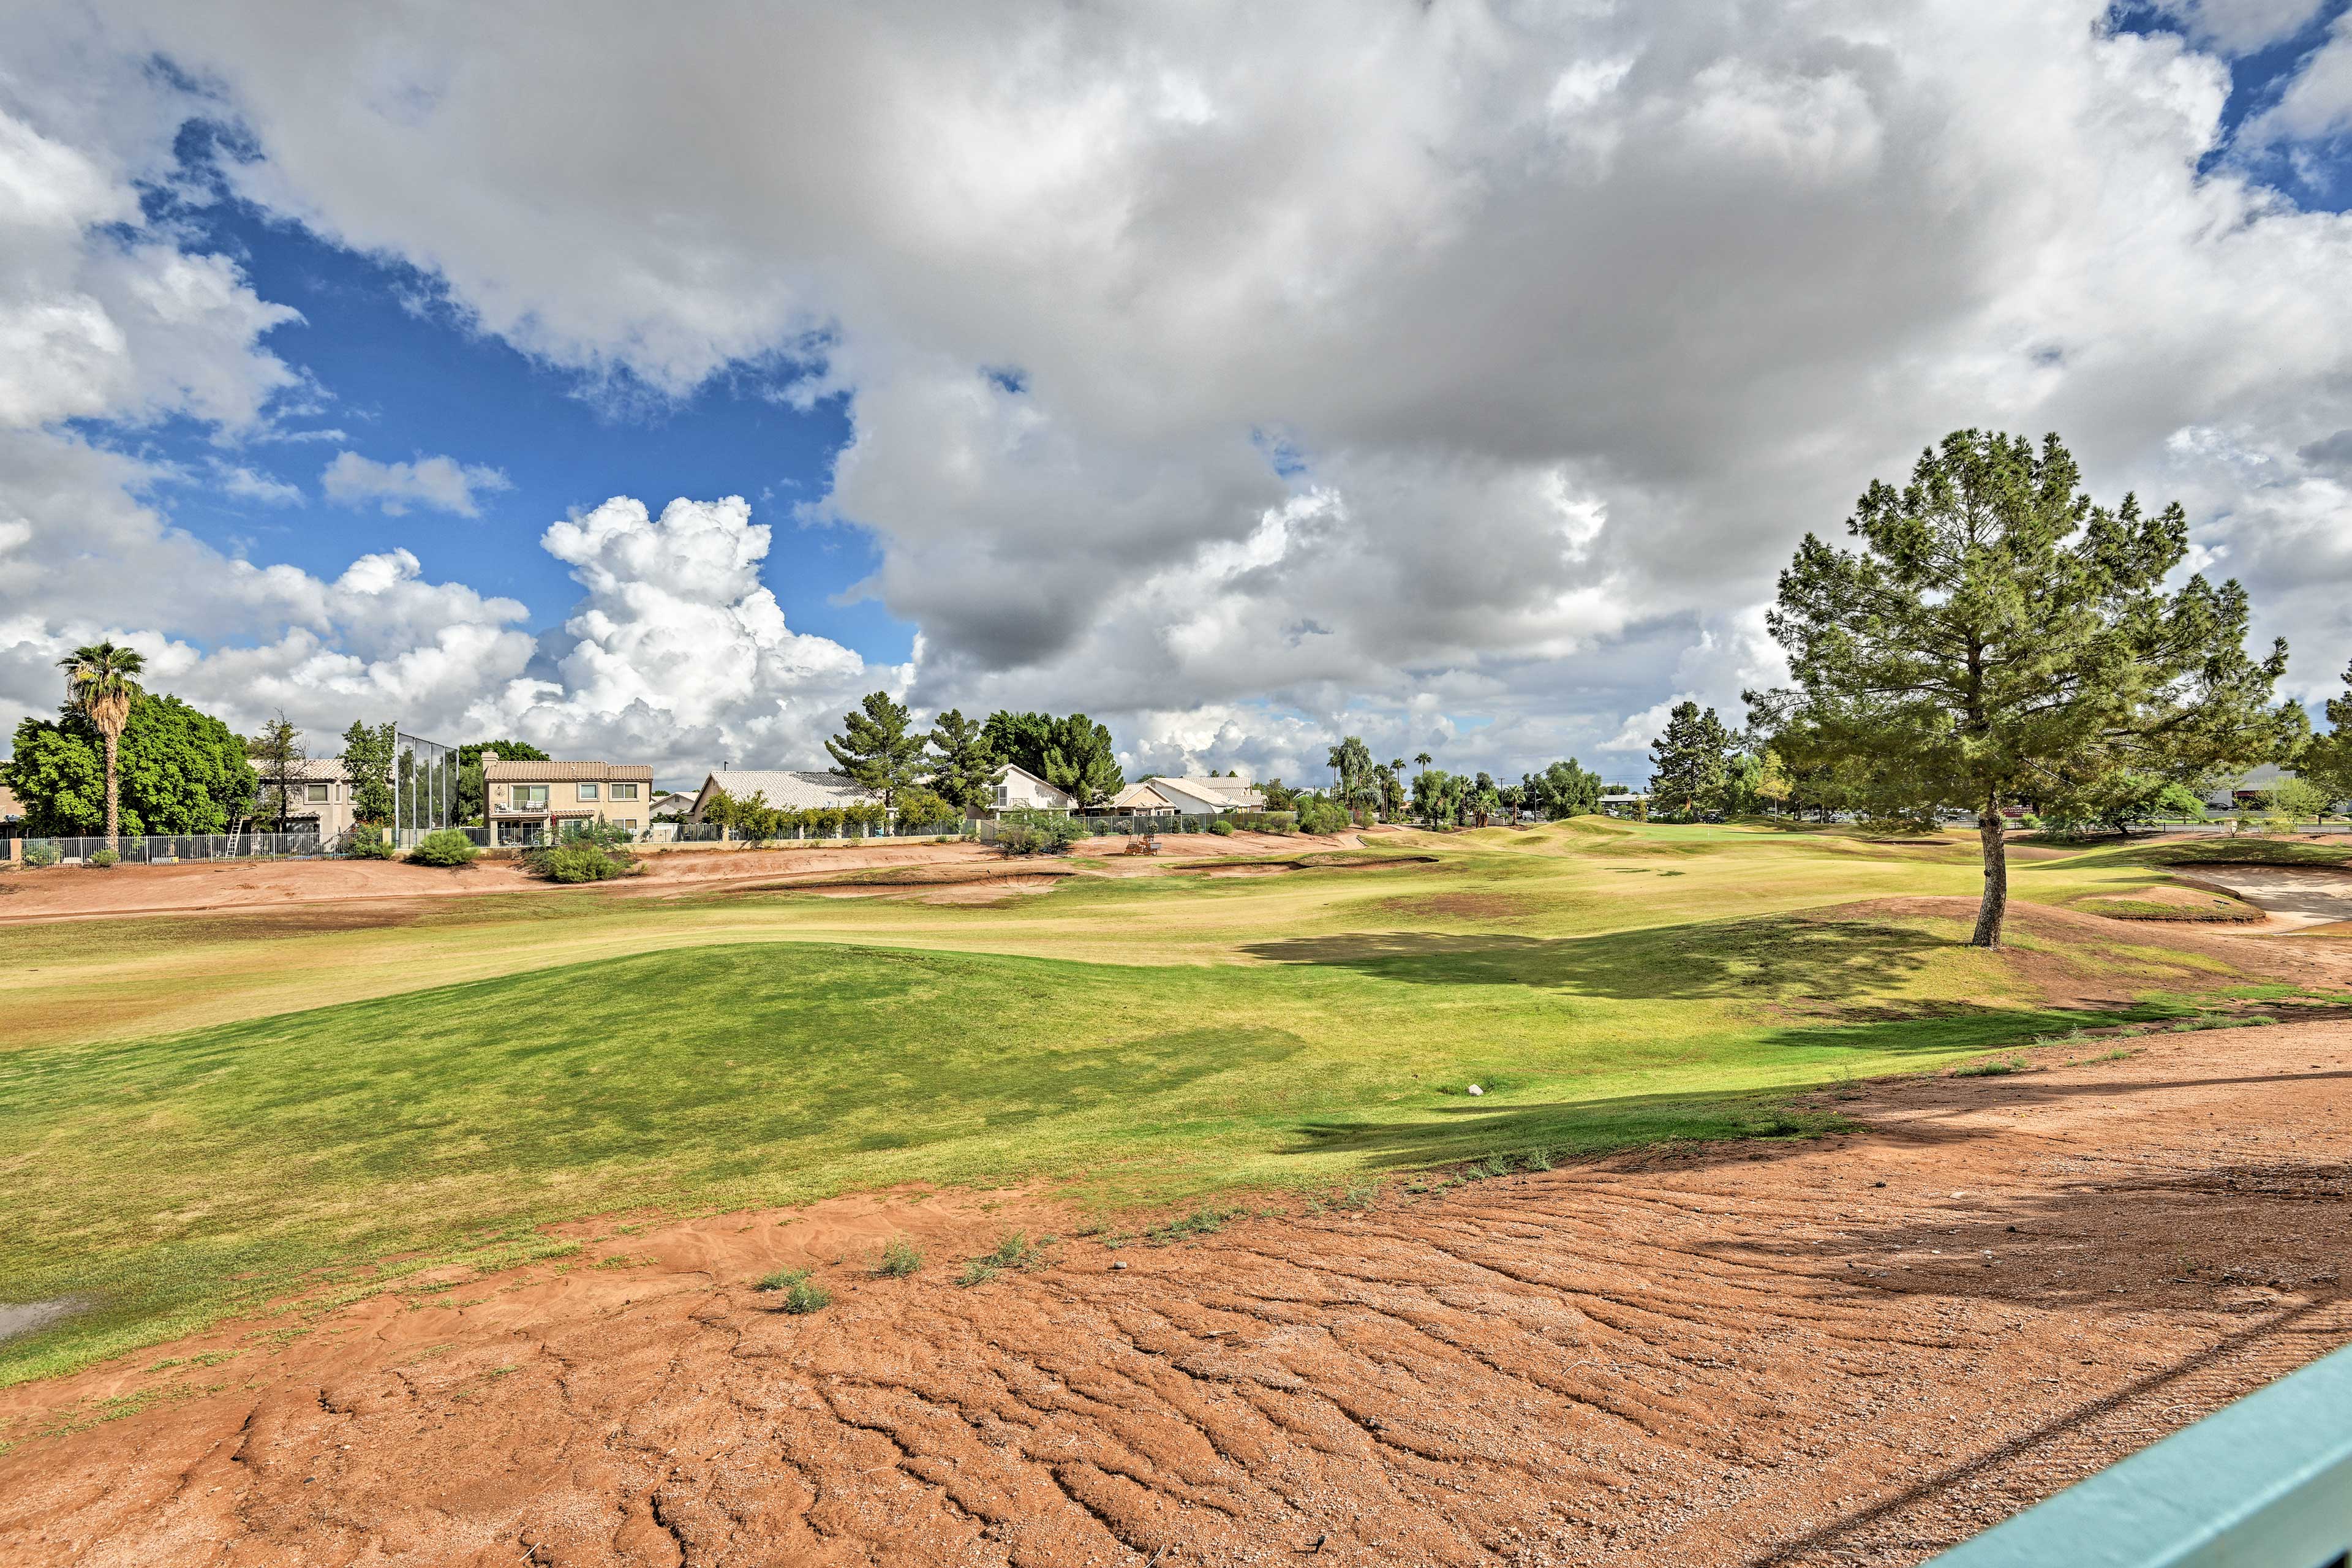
[[1456, 375], [394, 366]]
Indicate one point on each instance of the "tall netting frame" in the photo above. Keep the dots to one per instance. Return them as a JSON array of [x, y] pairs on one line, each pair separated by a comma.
[[424, 788]]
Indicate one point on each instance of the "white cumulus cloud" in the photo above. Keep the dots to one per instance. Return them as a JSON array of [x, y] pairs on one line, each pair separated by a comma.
[[442, 484]]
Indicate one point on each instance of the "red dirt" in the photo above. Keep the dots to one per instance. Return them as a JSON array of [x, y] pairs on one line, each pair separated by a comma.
[[1850, 1351]]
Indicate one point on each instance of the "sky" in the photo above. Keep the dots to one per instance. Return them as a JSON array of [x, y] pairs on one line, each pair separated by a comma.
[[1456, 375]]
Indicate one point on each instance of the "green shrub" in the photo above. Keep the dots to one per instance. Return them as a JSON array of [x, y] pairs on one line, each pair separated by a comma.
[[103, 859], [578, 862], [1019, 838], [1222, 828], [1318, 816], [800, 1296], [447, 847], [368, 843], [899, 1258], [38, 853]]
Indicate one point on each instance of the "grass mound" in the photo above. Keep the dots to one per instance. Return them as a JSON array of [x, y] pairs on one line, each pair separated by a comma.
[[2220, 913]]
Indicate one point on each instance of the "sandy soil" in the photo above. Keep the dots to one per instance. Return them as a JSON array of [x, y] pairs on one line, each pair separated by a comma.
[[2295, 897], [72, 892], [1851, 1350]]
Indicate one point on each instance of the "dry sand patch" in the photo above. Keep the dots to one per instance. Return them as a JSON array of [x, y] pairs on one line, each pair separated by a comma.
[[1850, 1351]]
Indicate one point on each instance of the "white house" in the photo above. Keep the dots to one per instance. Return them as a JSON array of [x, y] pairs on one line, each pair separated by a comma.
[[1021, 789], [1188, 797], [785, 789]]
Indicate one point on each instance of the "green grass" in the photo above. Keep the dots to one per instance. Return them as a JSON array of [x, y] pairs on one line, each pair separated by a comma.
[[184, 1133]]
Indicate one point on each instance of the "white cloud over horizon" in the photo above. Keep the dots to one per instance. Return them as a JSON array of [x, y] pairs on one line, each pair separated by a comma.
[[1457, 376]]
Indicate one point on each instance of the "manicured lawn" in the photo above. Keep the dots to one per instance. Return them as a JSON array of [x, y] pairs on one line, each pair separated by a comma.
[[1123, 1040]]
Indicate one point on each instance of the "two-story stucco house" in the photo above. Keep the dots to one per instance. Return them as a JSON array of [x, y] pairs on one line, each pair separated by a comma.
[[528, 802]]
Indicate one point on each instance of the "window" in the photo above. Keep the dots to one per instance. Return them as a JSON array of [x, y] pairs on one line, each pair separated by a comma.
[[624, 792], [587, 792], [529, 797], [1004, 794], [318, 792]]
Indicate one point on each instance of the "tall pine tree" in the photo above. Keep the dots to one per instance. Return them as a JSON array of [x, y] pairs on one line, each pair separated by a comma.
[[1688, 763], [874, 748], [1998, 637], [963, 771]]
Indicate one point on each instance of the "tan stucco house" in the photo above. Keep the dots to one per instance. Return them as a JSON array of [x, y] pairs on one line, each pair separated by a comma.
[[529, 801]]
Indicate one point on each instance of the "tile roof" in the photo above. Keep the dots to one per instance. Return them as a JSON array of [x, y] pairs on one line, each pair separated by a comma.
[[789, 789], [494, 771]]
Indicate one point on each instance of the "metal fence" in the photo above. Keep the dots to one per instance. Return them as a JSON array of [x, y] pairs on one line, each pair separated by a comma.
[[1109, 826], [2267, 1481], [169, 848]]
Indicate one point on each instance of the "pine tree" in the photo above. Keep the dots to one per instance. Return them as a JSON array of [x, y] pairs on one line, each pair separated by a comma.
[[277, 755], [1689, 761], [2326, 761], [1080, 762], [963, 771], [875, 748], [1999, 637]]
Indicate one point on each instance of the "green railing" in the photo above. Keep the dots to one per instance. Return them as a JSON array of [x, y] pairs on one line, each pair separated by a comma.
[[2265, 1483]]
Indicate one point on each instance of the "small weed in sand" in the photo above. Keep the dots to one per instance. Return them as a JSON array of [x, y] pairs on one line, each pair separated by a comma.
[[625, 1260], [1538, 1160], [1362, 1195], [976, 1271], [1204, 1222], [899, 1258], [799, 1295], [2220, 1021], [1993, 1066]]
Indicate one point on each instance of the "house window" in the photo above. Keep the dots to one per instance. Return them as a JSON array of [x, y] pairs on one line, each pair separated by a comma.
[[624, 792], [529, 797], [587, 792], [316, 792], [1004, 795]]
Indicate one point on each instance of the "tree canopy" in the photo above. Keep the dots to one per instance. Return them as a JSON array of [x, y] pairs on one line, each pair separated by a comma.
[[1998, 637], [368, 752], [1689, 762], [180, 771], [1072, 754], [964, 770], [1562, 790], [875, 749]]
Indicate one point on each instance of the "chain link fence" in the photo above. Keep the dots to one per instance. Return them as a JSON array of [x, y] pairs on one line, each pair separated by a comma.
[[170, 849]]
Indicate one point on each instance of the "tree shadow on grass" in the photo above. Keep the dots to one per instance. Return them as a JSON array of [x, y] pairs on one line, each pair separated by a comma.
[[1798, 955]]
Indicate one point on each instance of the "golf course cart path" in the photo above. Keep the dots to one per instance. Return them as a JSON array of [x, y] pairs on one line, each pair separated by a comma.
[[1854, 1350]]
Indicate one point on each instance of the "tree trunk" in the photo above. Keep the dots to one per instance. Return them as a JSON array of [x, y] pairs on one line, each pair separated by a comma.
[[114, 796], [1992, 830]]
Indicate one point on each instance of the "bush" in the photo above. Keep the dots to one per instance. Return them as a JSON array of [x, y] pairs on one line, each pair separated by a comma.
[[1019, 838], [1222, 828], [1265, 821], [899, 1258], [578, 863], [369, 844], [1320, 817], [103, 859], [447, 847], [37, 853], [800, 1296]]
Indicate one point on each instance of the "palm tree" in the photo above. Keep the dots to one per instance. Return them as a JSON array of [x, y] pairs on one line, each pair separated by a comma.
[[1423, 760], [99, 681]]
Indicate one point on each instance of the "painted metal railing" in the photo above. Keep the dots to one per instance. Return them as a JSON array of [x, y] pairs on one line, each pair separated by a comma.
[[2264, 1483]]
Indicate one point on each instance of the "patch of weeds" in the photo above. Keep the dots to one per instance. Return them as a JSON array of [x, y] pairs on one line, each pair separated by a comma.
[[1360, 1197], [1538, 1160], [899, 1258], [626, 1260], [2220, 1021], [1992, 1067], [976, 1271], [799, 1295], [501, 1370], [1202, 1222]]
